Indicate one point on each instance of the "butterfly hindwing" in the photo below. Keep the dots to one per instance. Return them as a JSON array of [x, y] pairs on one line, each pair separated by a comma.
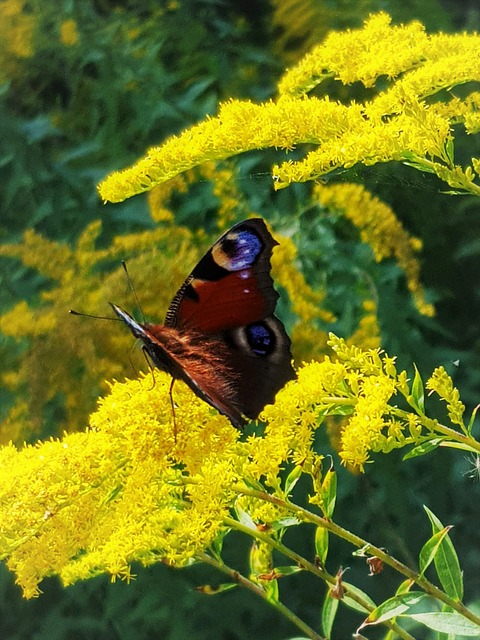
[[260, 355]]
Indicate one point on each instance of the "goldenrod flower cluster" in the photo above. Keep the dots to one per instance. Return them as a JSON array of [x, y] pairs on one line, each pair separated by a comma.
[[136, 485], [380, 229], [400, 122], [69, 33], [442, 384], [79, 353], [16, 34], [147, 484]]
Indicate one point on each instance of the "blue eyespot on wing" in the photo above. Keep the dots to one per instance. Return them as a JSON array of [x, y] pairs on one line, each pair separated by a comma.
[[237, 250], [260, 338]]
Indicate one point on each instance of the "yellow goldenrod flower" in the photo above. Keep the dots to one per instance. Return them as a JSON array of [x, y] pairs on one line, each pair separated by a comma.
[[144, 484], [442, 384], [381, 229], [399, 123], [306, 303], [16, 35], [367, 335], [359, 55], [135, 486], [364, 431], [69, 32], [79, 353]]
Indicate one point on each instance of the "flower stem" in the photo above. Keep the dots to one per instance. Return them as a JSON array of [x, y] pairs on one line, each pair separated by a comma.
[[308, 516], [437, 427], [257, 590], [306, 564]]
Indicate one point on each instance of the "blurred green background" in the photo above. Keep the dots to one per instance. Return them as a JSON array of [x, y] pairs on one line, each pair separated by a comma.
[[86, 87]]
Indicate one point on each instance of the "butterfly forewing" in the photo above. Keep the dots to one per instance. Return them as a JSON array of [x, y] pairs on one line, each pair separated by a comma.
[[231, 285]]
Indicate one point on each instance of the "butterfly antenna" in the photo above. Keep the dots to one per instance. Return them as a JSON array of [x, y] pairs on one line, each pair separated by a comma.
[[132, 288], [90, 315]]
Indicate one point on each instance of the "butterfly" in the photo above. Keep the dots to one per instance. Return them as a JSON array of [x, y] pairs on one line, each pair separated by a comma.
[[220, 335]]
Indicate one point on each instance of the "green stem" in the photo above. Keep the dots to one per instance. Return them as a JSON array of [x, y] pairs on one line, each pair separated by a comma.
[[437, 427], [456, 180], [304, 563], [458, 437], [308, 516], [257, 590]]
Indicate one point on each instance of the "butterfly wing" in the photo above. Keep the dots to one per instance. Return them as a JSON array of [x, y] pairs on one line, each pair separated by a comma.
[[260, 355], [202, 363], [230, 297], [220, 335], [231, 286]]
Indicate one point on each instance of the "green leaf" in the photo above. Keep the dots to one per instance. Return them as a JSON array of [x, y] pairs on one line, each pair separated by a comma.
[[459, 445], [395, 606], [254, 484], [283, 523], [271, 590], [328, 492], [417, 397], [321, 544], [114, 493], [431, 548], [217, 543], [404, 587], [446, 562], [423, 448], [329, 611], [352, 604], [419, 166], [450, 150], [472, 418], [245, 518], [292, 479], [287, 570], [446, 622]]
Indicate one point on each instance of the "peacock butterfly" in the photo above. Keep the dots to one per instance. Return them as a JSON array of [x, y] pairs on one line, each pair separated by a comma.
[[220, 334]]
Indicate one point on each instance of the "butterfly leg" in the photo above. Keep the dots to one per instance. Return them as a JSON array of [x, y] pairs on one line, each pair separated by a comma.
[[150, 366], [170, 393]]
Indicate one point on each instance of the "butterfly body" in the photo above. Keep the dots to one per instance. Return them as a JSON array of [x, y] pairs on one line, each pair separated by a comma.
[[220, 334]]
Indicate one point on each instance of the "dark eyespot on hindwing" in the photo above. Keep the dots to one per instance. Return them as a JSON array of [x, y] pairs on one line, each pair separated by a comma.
[[260, 338]]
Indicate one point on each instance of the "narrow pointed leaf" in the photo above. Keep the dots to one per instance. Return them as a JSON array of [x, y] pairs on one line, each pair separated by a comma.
[[417, 398], [352, 589], [321, 544], [446, 562], [292, 479], [395, 606], [472, 418], [423, 448], [448, 622], [287, 570], [329, 611], [271, 589], [329, 492], [430, 549], [404, 587]]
